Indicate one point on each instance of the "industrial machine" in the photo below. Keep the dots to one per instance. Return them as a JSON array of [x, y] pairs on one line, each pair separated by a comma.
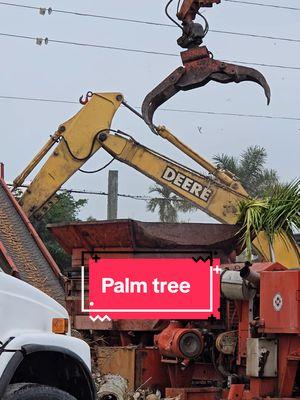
[[89, 130], [80, 137], [254, 350], [256, 356], [251, 352], [199, 66]]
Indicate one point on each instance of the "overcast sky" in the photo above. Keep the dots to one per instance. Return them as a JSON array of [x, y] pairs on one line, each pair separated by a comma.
[[65, 72]]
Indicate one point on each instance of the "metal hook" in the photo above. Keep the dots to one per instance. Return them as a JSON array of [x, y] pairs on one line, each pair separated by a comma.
[[87, 97]]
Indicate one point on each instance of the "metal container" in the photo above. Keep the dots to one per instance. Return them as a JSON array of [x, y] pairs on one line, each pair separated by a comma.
[[233, 287]]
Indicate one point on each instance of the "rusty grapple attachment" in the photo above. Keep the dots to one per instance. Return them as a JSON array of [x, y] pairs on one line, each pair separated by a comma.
[[199, 69]]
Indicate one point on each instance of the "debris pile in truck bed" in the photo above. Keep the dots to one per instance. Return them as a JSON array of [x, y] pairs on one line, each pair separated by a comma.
[[24, 251]]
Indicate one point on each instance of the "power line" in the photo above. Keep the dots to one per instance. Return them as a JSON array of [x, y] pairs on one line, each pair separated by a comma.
[[17, 36], [98, 193], [100, 46], [252, 3], [153, 23], [230, 114], [264, 65], [64, 42], [94, 192], [38, 99], [135, 21], [256, 36], [47, 40], [4, 3]]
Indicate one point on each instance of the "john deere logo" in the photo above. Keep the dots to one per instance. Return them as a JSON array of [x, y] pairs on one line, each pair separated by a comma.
[[189, 185]]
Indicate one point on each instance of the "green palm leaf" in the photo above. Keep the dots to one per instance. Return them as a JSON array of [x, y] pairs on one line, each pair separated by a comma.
[[278, 214]]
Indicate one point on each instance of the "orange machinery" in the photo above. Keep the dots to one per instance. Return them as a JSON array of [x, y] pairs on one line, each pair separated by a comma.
[[259, 357], [252, 352]]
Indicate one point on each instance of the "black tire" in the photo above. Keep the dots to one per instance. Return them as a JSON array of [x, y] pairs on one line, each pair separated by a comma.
[[35, 392]]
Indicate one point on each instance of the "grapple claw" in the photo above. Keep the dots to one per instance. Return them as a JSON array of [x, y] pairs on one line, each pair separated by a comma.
[[199, 69]]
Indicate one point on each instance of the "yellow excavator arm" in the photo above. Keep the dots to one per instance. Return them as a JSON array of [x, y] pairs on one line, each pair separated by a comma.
[[76, 140]]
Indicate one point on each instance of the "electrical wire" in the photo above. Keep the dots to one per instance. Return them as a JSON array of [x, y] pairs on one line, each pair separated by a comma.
[[252, 3], [264, 65], [4, 3], [38, 99], [99, 193], [64, 42], [253, 35], [100, 46], [88, 45], [96, 193], [144, 22], [82, 14], [229, 114]]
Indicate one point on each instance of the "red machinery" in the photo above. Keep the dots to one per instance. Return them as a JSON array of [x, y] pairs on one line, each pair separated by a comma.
[[258, 356], [253, 351]]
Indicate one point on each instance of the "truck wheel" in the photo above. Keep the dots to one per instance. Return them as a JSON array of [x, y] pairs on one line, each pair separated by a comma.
[[35, 392]]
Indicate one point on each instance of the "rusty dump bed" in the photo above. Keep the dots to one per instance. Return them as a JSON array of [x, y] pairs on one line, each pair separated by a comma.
[[22, 250], [132, 238], [137, 236]]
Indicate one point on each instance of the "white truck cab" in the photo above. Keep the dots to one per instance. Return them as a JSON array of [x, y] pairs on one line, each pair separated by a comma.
[[39, 360]]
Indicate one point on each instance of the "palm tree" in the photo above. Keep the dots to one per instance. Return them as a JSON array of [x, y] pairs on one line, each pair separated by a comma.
[[250, 169], [166, 203], [277, 214]]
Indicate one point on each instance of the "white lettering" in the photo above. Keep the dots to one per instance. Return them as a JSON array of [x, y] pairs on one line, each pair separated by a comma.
[[171, 287], [205, 194], [187, 184], [169, 174], [126, 286], [106, 283], [196, 189], [179, 180], [185, 287], [155, 284]]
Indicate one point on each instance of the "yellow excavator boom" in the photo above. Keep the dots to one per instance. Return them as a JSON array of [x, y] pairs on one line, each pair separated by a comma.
[[217, 194]]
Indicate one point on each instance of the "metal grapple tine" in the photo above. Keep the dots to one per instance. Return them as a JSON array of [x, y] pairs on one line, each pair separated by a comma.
[[250, 74], [159, 95]]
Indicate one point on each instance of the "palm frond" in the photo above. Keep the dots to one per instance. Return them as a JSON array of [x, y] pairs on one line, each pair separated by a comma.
[[278, 214], [165, 203], [229, 163], [262, 182], [253, 160]]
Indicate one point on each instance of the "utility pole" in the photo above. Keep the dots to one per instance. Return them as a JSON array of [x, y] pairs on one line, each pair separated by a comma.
[[112, 198]]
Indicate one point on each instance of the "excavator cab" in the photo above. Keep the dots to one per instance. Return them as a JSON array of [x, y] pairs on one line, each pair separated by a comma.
[[199, 66]]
